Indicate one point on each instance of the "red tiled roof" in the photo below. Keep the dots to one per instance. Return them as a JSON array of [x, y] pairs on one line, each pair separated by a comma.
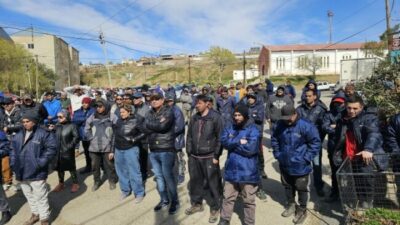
[[310, 47]]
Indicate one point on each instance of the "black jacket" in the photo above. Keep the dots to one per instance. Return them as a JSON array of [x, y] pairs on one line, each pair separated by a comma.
[[12, 121], [315, 114], [67, 137], [35, 108], [128, 132], [161, 135], [203, 137]]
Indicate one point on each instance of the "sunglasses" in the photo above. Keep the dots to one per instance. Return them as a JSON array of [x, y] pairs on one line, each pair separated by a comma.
[[118, 99], [126, 98]]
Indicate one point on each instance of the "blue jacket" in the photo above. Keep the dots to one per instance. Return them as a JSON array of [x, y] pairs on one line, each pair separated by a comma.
[[290, 90], [79, 119], [315, 114], [226, 107], [30, 160], [393, 134], [242, 161], [257, 113], [295, 146], [5, 147], [52, 107], [270, 88], [179, 128]]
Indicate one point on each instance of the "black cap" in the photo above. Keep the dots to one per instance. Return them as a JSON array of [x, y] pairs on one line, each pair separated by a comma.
[[252, 95], [7, 100], [243, 110], [287, 112], [34, 117]]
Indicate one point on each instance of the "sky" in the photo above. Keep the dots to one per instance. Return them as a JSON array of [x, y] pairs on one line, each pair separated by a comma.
[[139, 28]]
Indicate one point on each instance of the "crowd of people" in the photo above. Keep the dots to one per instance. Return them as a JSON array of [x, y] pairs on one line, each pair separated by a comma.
[[134, 134]]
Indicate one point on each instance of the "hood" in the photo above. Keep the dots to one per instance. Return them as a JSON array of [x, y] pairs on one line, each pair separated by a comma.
[[107, 108], [311, 81]]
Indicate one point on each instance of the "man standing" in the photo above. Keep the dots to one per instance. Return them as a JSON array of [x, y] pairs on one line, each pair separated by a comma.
[[204, 149], [31, 107], [314, 111], [295, 158], [226, 106], [186, 100], [159, 122], [275, 104], [53, 106], [33, 149]]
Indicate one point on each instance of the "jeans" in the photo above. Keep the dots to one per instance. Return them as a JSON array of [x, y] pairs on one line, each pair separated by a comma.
[[36, 193], [127, 165], [163, 165], [317, 171]]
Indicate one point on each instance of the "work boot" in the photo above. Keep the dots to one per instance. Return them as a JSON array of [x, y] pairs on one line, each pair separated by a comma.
[[301, 215], [194, 209], [34, 218], [44, 222], [214, 214], [173, 208], [223, 222], [161, 205], [59, 187], [261, 195], [5, 217], [289, 210]]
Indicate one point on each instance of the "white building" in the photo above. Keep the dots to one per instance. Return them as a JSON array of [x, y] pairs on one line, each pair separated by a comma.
[[250, 74], [299, 59]]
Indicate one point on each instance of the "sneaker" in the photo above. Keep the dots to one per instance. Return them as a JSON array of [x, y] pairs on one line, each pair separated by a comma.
[[95, 186], [16, 187], [194, 209], [223, 222], [263, 175], [173, 209], [112, 186], [301, 215], [289, 210], [34, 219], [214, 214], [139, 199], [5, 217], [181, 179], [123, 196], [161, 205], [59, 187], [74, 188], [261, 195], [6, 187]]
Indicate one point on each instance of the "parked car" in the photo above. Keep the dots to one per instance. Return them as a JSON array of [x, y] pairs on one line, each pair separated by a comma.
[[325, 86]]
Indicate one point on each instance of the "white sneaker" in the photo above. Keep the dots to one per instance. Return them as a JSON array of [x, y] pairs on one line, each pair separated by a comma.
[[6, 187]]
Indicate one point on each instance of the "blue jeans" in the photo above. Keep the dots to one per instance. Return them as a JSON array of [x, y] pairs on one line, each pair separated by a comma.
[[163, 165], [127, 166]]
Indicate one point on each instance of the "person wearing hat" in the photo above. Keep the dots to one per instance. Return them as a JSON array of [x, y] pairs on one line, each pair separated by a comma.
[[241, 175], [67, 136], [225, 106], [274, 106], [295, 158], [99, 132], [79, 119], [330, 120], [29, 106], [180, 136], [203, 148], [76, 94], [53, 106], [10, 123], [186, 100], [159, 123], [313, 110], [5, 150], [33, 150]]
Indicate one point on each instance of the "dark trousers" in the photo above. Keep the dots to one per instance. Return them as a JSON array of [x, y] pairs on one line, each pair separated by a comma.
[[261, 163], [334, 169], [295, 184], [61, 175], [85, 145], [365, 181], [205, 182], [144, 160], [4, 207], [99, 158], [317, 171]]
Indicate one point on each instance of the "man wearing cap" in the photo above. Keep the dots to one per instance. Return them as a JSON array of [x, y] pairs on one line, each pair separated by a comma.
[[180, 136], [33, 149], [241, 175], [31, 107], [275, 104], [295, 158], [159, 122], [10, 123], [225, 106], [79, 119], [53, 106], [330, 120], [186, 100], [76, 94], [314, 111], [203, 147]]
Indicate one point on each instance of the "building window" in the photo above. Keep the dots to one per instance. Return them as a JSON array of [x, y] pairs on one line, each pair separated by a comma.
[[345, 57], [325, 62], [31, 46], [302, 62], [280, 63]]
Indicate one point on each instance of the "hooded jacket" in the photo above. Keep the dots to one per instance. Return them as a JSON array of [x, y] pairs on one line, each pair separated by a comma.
[[332, 117], [257, 113], [203, 136], [315, 114], [274, 106], [98, 130], [393, 134], [226, 107], [241, 163]]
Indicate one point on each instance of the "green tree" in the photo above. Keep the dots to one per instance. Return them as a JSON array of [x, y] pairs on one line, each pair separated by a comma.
[[221, 57], [378, 48]]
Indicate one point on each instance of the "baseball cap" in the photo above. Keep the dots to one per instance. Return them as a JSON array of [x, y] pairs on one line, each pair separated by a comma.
[[156, 96], [287, 112]]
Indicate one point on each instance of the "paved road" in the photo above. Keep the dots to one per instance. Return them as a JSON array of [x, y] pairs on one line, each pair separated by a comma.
[[103, 207]]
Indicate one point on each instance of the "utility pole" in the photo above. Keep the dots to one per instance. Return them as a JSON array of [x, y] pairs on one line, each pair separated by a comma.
[[29, 76], [37, 78], [244, 68], [190, 73], [389, 36], [330, 15], [103, 44]]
